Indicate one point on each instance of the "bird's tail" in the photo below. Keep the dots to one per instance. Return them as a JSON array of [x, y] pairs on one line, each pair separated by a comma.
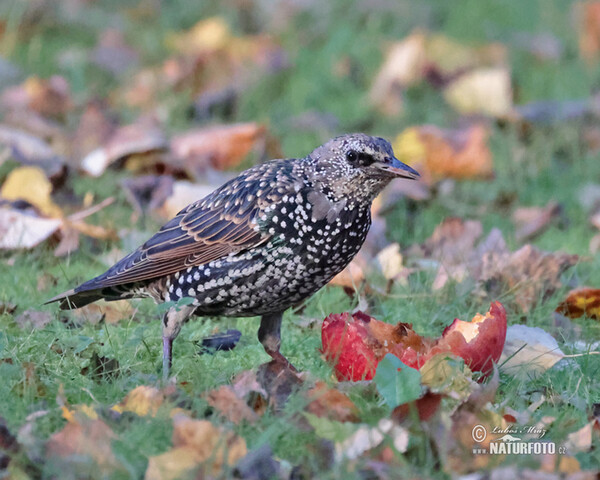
[[72, 299]]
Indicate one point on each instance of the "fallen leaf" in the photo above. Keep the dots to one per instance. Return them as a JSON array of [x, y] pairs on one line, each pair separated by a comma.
[[452, 244], [220, 146], [483, 91], [84, 446], [532, 221], [142, 401], [278, 381], [580, 440], [30, 184], [30, 149], [529, 351], [396, 382], [49, 97], [33, 319], [205, 36], [391, 263], [366, 438], [94, 128], [588, 17], [531, 274], [19, 230], [196, 442], [438, 153], [404, 65], [228, 404], [138, 138], [109, 312], [331, 403], [581, 301]]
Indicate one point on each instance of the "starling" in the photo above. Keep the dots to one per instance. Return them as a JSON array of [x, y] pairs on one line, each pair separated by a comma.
[[261, 243]]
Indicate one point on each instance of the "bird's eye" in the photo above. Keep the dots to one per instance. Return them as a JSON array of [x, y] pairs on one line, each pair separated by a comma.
[[352, 156]]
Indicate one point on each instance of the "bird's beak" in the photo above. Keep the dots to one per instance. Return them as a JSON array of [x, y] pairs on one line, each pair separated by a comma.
[[398, 169]]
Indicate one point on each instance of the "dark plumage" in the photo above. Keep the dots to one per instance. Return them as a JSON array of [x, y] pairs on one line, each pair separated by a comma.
[[262, 242]]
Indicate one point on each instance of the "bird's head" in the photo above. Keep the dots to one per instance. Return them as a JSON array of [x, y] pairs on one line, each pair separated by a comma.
[[357, 164]]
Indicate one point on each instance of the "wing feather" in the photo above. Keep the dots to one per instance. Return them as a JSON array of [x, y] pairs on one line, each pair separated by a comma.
[[225, 221]]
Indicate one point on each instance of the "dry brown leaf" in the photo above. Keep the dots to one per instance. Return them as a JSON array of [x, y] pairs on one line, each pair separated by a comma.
[[196, 442], [142, 401], [225, 400], [30, 184], [110, 312], [138, 138], [279, 381], [332, 404], [94, 129], [83, 442], [19, 230], [529, 273], [69, 242], [581, 301], [49, 97], [219, 146], [439, 153], [428, 56], [588, 14], [532, 221], [484, 91], [452, 244]]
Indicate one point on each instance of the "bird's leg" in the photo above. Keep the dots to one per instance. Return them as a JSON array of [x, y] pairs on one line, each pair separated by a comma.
[[269, 334], [172, 322]]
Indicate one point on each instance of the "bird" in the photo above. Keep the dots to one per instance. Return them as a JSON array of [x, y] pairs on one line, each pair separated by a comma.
[[261, 243]]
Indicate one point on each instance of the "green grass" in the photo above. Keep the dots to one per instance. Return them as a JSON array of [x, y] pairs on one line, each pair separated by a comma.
[[531, 168]]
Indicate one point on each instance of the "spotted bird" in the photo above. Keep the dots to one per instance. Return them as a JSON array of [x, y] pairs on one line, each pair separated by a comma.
[[259, 244]]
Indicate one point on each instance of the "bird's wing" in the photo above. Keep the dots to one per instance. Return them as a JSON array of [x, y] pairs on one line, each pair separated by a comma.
[[225, 221]]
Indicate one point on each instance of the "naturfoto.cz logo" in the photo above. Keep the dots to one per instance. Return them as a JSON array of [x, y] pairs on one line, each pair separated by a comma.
[[509, 444]]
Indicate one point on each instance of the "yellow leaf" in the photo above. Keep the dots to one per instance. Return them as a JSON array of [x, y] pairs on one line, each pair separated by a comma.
[[444, 153], [30, 184], [71, 414], [484, 91], [581, 301], [142, 401], [409, 148], [207, 35], [195, 442]]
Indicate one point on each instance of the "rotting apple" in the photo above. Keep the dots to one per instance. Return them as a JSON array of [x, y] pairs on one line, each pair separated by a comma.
[[354, 344]]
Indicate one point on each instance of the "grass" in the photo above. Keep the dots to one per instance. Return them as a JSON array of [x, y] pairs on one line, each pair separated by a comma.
[[531, 168]]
